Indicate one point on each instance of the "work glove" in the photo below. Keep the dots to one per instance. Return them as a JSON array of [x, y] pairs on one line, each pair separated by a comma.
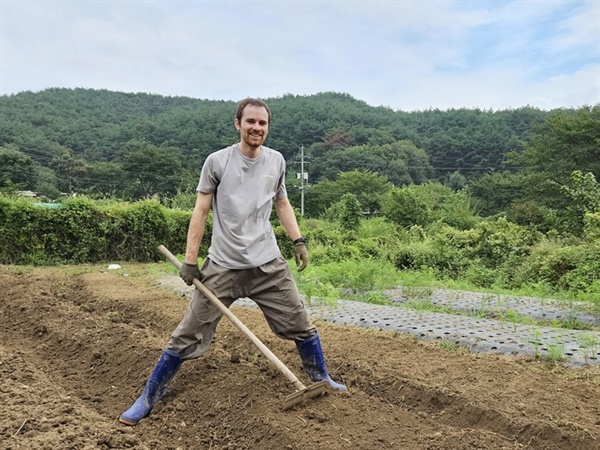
[[301, 255], [188, 272]]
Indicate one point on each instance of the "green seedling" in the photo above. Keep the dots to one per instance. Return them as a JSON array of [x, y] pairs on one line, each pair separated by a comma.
[[556, 352], [536, 340], [451, 346], [589, 344]]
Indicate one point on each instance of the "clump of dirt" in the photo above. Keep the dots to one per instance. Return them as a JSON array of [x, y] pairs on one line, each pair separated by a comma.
[[77, 348]]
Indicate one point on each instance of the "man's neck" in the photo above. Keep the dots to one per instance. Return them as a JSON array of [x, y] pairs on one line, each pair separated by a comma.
[[248, 151]]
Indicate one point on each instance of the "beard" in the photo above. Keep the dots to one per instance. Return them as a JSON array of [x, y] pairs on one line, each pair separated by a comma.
[[253, 141]]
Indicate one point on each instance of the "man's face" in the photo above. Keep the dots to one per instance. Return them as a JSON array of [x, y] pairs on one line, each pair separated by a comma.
[[254, 125]]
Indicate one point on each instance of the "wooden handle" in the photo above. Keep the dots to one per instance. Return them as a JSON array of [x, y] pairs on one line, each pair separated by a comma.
[[238, 324]]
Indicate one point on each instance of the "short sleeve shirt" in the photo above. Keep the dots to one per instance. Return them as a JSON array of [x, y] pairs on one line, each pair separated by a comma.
[[243, 192]]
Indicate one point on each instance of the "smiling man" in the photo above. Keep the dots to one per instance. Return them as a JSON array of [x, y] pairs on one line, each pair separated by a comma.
[[252, 122], [240, 183]]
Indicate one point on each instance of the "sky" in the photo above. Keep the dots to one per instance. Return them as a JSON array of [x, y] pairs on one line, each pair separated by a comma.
[[405, 55]]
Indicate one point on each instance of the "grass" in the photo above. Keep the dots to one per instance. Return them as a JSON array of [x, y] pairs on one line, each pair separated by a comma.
[[366, 281], [590, 346], [451, 346], [555, 351], [426, 278], [418, 297]]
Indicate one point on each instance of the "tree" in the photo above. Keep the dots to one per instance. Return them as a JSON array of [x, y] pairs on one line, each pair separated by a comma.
[[341, 133], [456, 181], [105, 179], [318, 197], [16, 169], [70, 171], [566, 142], [47, 182], [401, 162], [367, 187], [403, 207], [154, 170], [495, 192], [583, 196], [350, 214]]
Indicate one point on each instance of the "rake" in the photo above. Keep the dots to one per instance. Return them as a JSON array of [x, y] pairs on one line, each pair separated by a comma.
[[303, 392]]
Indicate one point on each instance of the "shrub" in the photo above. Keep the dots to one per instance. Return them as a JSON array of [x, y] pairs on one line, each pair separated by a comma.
[[359, 275], [404, 208], [320, 254], [82, 231], [571, 267], [591, 226], [531, 214], [350, 214]]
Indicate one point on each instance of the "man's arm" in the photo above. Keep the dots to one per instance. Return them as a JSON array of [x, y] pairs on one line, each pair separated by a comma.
[[286, 215], [197, 226], [189, 269]]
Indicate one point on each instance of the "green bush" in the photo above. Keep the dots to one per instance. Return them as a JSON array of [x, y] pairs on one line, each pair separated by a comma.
[[413, 255], [350, 214], [500, 240], [491, 242], [80, 230], [359, 275], [320, 254], [479, 275], [531, 214], [377, 228], [405, 208], [563, 267], [591, 226], [457, 211], [324, 234], [21, 239], [83, 231]]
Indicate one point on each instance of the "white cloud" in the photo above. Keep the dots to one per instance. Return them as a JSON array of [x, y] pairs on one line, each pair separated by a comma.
[[506, 89], [407, 55], [580, 31]]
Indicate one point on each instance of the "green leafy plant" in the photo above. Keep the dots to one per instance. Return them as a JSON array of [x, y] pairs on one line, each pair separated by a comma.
[[536, 340], [556, 352], [590, 345]]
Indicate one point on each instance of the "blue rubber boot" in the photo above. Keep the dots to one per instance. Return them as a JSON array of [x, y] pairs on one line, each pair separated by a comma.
[[314, 362], [166, 368]]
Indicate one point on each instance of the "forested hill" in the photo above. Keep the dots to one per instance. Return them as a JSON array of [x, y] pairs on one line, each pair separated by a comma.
[[91, 136]]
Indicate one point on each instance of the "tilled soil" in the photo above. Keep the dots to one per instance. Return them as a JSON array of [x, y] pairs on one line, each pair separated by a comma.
[[76, 347]]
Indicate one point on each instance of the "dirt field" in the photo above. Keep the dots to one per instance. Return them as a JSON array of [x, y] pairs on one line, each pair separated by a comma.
[[77, 345]]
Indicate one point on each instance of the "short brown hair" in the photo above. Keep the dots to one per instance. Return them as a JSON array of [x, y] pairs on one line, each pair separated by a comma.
[[250, 101]]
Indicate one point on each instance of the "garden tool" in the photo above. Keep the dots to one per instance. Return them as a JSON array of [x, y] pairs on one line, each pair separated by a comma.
[[302, 392]]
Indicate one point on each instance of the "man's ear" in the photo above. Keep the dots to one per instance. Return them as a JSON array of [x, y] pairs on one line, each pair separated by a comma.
[[237, 124]]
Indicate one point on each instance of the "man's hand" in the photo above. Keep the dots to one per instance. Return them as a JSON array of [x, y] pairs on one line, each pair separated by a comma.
[[188, 272], [301, 256]]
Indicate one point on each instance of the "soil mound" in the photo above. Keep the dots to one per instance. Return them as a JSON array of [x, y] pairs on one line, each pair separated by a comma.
[[77, 347]]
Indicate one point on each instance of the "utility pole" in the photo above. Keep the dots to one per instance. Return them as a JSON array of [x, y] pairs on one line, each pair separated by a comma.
[[303, 176], [302, 183]]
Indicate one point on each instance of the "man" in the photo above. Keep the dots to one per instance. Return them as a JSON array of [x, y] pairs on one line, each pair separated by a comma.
[[241, 183]]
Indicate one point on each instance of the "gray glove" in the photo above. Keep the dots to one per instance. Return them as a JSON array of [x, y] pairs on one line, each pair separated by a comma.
[[188, 272], [301, 256]]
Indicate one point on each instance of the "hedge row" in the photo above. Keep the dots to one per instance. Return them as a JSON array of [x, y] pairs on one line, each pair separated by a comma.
[[79, 230]]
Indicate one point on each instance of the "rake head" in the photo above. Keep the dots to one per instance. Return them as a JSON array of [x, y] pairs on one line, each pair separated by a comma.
[[299, 397]]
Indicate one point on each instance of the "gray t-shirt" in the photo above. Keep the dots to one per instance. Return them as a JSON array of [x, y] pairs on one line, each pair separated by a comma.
[[243, 191]]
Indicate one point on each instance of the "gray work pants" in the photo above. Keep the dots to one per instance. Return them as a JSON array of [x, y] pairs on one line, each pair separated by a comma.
[[271, 286]]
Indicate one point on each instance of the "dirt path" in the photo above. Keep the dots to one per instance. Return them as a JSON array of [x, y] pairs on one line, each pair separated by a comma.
[[76, 349]]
